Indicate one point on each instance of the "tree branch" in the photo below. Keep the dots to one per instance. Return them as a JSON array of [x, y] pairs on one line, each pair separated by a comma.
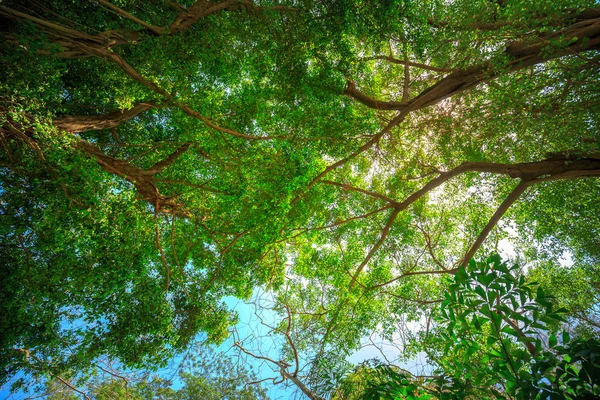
[[530, 346], [430, 246], [81, 42], [53, 27], [159, 166], [412, 273], [384, 233], [117, 376], [355, 154], [290, 341], [85, 123], [370, 102], [409, 63], [333, 225], [582, 35], [406, 79], [203, 8], [301, 385], [155, 29], [345, 186], [529, 173], [85, 396], [200, 9], [207, 121], [512, 197]]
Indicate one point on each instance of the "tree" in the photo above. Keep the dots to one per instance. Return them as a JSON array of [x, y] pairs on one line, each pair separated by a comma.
[[117, 273], [157, 157], [204, 374], [496, 339]]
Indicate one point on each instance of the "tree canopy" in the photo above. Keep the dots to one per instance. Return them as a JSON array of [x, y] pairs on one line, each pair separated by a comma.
[[345, 156], [204, 374]]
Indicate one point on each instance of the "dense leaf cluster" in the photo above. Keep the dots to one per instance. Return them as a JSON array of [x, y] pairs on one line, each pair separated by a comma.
[[496, 338], [344, 156]]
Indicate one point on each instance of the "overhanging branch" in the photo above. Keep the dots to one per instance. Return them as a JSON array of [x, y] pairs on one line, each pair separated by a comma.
[[529, 174]]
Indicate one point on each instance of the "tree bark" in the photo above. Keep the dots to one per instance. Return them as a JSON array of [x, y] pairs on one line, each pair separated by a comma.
[[142, 179], [582, 35], [187, 18], [529, 174], [84, 123], [509, 201], [371, 102], [300, 385]]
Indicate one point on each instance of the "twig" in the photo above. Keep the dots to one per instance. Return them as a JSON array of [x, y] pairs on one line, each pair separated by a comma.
[[163, 259]]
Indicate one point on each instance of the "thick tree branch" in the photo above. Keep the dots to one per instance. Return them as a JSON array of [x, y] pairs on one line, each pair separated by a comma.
[[69, 40], [509, 201], [529, 173], [84, 123], [580, 36], [132, 72], [187, 18], [201, 9], [159, 166], [51, 26], [142, 180], [370, 102], [584, 35], [79, 42]]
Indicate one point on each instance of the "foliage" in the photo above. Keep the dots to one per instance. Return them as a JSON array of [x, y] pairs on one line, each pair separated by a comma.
[[499, 331], [343, 156], [494, 339], [204, 374], [374, 380]]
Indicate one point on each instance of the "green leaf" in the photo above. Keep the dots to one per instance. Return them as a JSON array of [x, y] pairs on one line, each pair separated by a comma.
[[566, 338], [552, 341]]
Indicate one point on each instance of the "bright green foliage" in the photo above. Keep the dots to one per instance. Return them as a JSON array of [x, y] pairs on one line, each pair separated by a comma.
[[204, 374], [572, 288], [373, 380], [88, 265], [342, 155], [209, 375], [498, 341], [493, 340]]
